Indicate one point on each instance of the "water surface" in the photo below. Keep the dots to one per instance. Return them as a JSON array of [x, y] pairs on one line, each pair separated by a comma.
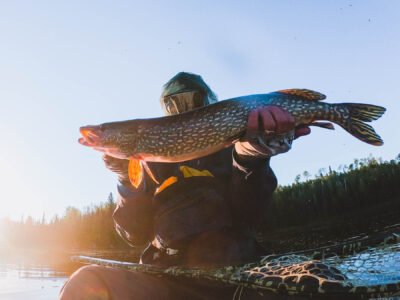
[[40, 274], [30, 282], [33, 274]]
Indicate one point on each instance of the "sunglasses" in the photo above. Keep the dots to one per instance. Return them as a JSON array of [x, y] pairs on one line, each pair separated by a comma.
[[178, 103]]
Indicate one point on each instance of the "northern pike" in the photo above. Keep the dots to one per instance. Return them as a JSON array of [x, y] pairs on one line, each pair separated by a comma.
[[208, 129]]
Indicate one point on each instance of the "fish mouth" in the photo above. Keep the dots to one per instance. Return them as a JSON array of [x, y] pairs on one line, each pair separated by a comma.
[[91, 136]]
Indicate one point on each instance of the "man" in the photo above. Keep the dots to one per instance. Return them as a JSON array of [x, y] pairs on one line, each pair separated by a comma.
[[197, 213]]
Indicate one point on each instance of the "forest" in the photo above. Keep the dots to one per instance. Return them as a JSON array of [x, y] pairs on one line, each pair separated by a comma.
[[90, 229], [366, 184]]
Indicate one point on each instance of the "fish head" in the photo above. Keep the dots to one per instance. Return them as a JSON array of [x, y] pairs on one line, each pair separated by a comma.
[[117, 139]]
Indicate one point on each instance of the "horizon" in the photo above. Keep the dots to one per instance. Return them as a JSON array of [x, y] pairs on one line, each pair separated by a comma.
[[302, 177]]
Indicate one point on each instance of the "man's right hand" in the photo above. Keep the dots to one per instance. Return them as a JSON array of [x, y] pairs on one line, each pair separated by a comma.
[[118, 166]]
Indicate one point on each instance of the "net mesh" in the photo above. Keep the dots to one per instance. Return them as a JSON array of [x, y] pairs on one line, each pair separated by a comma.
[[351, 268], [373, 266], [370, 267]]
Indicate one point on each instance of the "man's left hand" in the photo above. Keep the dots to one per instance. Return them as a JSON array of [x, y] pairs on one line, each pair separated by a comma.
[[270, 131]]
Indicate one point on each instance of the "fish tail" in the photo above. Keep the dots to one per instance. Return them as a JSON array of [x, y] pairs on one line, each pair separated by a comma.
[[365, 112], [357, 115]]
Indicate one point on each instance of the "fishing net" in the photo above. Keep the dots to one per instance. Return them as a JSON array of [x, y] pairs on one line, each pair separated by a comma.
[[362, 268], [370, 267], [374, 271]]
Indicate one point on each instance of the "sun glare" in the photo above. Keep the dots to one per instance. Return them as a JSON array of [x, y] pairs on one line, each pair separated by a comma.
[[18, 190]]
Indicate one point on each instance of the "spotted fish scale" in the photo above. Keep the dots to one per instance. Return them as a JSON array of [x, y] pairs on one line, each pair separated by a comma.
[[202, 131]]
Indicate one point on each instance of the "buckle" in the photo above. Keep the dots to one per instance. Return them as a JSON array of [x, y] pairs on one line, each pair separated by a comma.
[[170, 251]]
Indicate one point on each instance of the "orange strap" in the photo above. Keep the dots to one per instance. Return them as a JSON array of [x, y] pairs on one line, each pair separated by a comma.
[[166, 183], [186, 172]]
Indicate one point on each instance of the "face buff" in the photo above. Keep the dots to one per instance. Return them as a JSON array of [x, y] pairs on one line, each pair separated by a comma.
[[179, 103]]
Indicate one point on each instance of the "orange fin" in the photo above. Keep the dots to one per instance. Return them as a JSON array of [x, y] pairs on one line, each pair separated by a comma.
[[303, 93], [325, 125], [135, 171]]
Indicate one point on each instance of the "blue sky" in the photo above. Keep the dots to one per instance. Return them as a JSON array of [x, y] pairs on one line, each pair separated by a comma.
[[73, 63]]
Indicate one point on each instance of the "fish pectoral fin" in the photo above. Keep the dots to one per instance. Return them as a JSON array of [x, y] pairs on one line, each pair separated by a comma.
[[303, 93], [325, 125], [135, 172], [148, 171]]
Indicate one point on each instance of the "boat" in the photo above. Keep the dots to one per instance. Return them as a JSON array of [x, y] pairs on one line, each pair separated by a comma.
[[362, 267]]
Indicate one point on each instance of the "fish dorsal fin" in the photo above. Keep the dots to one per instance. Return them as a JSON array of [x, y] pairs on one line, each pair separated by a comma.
[[303, 93], [135, 172]]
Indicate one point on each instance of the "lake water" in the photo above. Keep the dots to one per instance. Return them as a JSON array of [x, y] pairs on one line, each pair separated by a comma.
[[41, 274], [33, 274], [30, 282]]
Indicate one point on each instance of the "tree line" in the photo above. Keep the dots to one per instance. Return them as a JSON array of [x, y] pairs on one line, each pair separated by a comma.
[[364, 183], [90, 229]]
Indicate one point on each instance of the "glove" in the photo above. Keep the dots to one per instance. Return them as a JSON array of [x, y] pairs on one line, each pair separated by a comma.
[[258, 146], [118, 166], [270, 131]]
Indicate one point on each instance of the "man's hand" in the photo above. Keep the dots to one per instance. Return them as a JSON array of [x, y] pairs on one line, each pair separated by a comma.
[[270, 131], [118, 166]]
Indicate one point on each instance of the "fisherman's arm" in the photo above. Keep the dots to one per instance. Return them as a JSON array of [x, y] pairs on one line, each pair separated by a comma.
[[133, 215], [270, 131]]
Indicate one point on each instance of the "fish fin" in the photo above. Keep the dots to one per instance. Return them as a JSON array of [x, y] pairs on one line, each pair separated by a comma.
[[365, 112], [363, 132], [148, 171], [135, 172], [360, 113], [303, 93], [325, 125]]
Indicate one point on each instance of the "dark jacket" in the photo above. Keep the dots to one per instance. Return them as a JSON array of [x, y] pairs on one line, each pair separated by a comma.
[[199, 220]]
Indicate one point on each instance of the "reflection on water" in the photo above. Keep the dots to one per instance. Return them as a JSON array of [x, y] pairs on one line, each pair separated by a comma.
[[30, 282], [33, 274], [40, 274]]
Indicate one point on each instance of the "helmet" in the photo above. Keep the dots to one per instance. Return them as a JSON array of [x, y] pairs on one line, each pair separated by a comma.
[[184, 92]]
